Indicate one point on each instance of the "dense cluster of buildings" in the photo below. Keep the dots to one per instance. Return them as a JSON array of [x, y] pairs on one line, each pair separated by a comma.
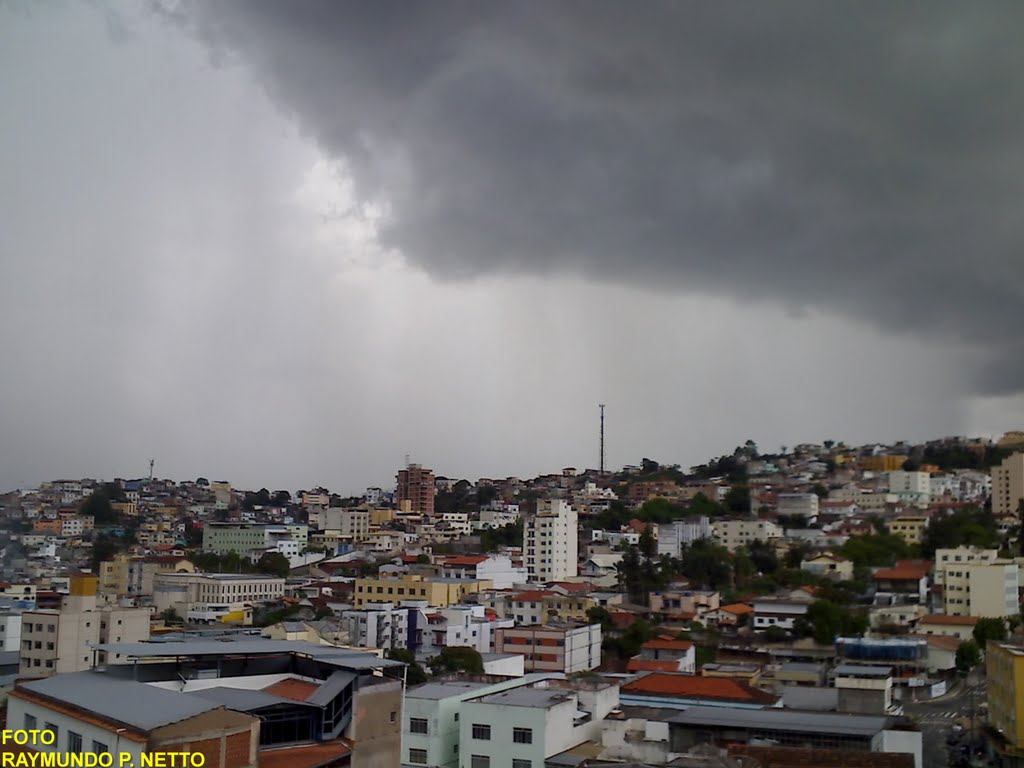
[[265, 628]]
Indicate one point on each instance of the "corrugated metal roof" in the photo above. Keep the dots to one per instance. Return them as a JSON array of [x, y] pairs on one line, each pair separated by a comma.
[[239, 699], [248, 645], [125, 701], [783, 720]]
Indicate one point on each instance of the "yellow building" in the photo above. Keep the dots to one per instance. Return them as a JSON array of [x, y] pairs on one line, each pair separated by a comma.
[[1004, 664], [438, 592], [883, 463], [381, 515], [126, 508], [910, 528], [1008, 485]]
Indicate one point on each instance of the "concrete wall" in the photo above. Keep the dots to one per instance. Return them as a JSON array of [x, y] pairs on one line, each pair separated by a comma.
[[377, 726]]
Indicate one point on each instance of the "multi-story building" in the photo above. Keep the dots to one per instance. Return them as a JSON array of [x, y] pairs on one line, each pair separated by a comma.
[[957, 556], [983, 590], [911, 487], [804, 505], [1008, 485], [416, 489], [126, 576], [883, 463], [959, 627], [552, 648], [249, 539], [772, 612], [17, 596], [1004, 671], [349, 523], [497, 569], [440, 592], [550, 541], [56, 641], [672, 537], [733, 534], [522, 727], [210, 598], [10, 631], [271, 704], [385, 626], [910, 528], [684, 603]]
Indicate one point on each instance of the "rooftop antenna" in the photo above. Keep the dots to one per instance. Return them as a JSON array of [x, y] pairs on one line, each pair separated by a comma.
[[151, 462], [407, 462], [601, 406]]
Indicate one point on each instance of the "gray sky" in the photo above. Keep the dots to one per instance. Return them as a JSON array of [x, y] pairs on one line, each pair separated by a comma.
[[287, 244]]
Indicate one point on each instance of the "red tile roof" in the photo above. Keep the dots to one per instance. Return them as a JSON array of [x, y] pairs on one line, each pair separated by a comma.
[[296, 690], [532, 596], [904, 570], [312, 756], [573, 586], [938, 618], [652, 665], [663, 644], [465, 560], [691, 687], [737, 609]]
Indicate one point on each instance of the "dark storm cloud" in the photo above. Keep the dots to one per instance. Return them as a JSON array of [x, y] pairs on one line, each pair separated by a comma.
[[864, 158]]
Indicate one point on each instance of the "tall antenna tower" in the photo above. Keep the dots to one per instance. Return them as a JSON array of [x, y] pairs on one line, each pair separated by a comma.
[[151, 463], [601, 406]]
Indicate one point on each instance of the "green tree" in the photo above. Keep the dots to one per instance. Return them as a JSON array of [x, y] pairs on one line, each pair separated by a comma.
[[737, 499], [98, 505], [104, 547], [964, 528], [989, 629], [414, 673], [648, 545], [775, 634], [171, 616], [493, 539], [707, 564], [819, 490], [274, 563], [423, 559], [458, 659], [875, 550], [828, 621], [599, 615], [968, 656], [763, 556]]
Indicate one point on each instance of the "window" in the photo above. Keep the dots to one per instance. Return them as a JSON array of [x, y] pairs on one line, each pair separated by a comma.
[[99, 748], [30, 723], [417, 725], [51, 628], [418, 756], [522, 735], [481, 732], [74, 742], [52, 728], [456, 717], [480, 761], [518, 763], [394, 716]]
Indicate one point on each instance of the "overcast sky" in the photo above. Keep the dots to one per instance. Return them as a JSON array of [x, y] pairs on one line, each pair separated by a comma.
[[289, 244]]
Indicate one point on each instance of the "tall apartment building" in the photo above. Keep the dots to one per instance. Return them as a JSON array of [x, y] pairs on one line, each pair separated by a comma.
[[416, 487], [127, 576], [984, 590], [550, 541], [672, 537], [57, 641], [1008, 485], [566, 648]]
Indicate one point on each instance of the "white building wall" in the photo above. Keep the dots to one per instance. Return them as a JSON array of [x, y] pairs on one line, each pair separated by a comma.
[[550, 541]]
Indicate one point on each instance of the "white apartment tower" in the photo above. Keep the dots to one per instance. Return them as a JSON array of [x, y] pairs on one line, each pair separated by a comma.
[[550, 540], [1008, 485]]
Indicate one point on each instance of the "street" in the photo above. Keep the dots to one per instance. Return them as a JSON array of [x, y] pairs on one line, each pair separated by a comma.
[[937, 719]]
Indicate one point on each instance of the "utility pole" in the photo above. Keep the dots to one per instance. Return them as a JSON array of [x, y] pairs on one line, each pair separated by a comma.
[[601, 406]]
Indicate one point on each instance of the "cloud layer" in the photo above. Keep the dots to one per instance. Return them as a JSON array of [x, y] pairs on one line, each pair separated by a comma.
[[865, 159]]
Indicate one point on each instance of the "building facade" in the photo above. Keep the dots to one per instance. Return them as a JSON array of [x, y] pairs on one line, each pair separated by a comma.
[[550, 541], [415, 489], [212, 598], [550, 648], [1008, 485]]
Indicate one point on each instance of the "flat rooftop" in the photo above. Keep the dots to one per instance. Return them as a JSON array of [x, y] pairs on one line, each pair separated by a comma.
[[794, 721], [444, 690], [526, 697]]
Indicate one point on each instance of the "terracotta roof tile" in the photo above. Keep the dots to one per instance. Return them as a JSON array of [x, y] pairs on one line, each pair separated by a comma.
[[652, 665], [311, 756], [296, 690], [532, 596], [661, 644], [690, 687]]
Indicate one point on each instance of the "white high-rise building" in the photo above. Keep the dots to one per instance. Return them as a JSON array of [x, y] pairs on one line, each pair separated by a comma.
[[550, 540], [672, 537]]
